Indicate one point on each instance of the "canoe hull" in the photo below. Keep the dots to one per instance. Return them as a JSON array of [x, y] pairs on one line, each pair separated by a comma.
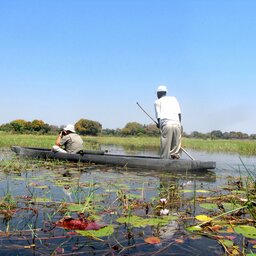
[[154, 163]]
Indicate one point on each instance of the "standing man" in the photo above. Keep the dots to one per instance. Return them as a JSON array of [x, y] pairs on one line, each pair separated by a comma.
[[68, 141], [168, 115]]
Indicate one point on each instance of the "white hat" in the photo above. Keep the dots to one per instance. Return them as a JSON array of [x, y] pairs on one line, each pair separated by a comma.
[[69, 127], [161, 88]]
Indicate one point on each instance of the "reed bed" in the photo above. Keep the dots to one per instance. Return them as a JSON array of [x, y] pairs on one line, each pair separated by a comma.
[[242, 147], [138, 142], [32, 140]]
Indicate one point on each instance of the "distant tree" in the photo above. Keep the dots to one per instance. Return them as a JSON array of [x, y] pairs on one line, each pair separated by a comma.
[[152, 130], [252, 136], [107, 131], [22, 126], [198, 135], [226, 135], [6, 127], [54, 129], [216, 134], [132, 128], [88, 127], [245, 136], [233, 135], [195, 134], [37, 125], [18, 125], [118, 132]]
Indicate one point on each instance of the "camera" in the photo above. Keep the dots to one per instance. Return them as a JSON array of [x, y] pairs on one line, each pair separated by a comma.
[[62, 132]]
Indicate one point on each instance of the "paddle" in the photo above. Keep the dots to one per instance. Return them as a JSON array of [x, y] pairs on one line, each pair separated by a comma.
[[156, 123]]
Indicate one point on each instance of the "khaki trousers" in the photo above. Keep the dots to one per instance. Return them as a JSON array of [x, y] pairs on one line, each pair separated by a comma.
[[56, 148], [170, 140]]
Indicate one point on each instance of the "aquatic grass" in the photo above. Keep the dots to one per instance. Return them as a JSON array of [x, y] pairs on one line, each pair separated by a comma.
[[230, 216], [242, 147], [10, 165], [31, 140], [137, 142], [125, 207]]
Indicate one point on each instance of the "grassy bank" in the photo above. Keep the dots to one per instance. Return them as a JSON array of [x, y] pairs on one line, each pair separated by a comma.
[[243, 147]]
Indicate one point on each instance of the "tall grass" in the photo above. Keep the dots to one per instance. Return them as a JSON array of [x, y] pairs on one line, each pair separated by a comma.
[[138, 142], [8, 140], [242, 147]]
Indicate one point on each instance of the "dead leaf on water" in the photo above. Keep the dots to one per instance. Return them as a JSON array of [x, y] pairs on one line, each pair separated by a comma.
[[216, 228], [203, 218], [152, 240], [230, 230], [179, 241]]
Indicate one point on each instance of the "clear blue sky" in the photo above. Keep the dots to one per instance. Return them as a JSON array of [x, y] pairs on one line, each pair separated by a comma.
[[62, 60]]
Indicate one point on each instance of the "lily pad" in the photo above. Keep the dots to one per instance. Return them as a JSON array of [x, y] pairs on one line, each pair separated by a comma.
[[41, 200], [136, 221], [133, 220], [230, 206], [194, 228], [105, 231], [76, 207], [214, 207], [209, 206], [197, 191], [152, 240], [203, 218], [246, 231], [227, 243]]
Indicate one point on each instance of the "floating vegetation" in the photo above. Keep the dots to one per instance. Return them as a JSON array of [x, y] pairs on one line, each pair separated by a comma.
[[51, 207]]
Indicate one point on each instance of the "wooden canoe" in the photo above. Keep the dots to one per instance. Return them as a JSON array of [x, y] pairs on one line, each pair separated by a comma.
[[101, 157]]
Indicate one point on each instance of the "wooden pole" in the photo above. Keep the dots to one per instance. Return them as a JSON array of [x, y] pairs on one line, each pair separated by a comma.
[[192, 158]]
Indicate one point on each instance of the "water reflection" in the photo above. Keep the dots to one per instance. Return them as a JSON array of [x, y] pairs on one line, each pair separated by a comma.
[[226, 163]]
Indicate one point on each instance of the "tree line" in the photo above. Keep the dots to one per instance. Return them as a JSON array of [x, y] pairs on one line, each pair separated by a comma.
[[94, 128]]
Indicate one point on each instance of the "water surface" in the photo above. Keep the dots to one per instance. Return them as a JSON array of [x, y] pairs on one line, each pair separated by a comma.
[[42, 192]]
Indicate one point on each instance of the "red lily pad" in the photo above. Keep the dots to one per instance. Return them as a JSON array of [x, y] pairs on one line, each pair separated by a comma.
[[78, 224]]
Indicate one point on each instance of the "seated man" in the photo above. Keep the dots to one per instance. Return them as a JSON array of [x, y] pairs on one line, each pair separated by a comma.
[[68, 141]]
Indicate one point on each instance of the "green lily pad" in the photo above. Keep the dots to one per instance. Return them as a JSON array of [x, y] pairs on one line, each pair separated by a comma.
[[230, 206], [246, 231], [197, 191], [42, 186], [133, 220], [133, 196], [194, 228], [238, 192], [136, 221], [209, 206], [41, 200], [82, 208], [213, 206], [76, 207], [105, 231], [227, 243]]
